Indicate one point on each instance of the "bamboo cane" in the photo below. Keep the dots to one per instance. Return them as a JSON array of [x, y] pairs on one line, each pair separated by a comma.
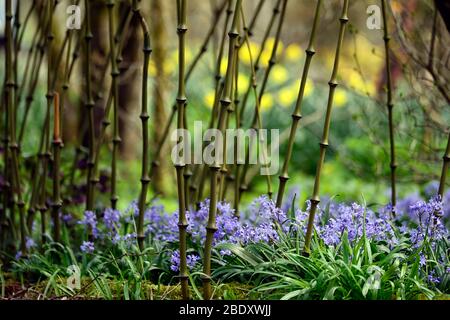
[[297, 114], [390, 107], [315, 200], [225, 103]]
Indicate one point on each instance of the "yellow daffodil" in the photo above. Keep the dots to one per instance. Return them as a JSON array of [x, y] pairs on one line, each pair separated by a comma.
[[340, 98], [287, 96], [223, 66], [309, 87], [244, 53], [266, 102], [152, 69], [293, 52], [279, 74], [243, 82], [359, 84], [208, 99], [265, 58], [169, 67], [270, 43], [188, 55]]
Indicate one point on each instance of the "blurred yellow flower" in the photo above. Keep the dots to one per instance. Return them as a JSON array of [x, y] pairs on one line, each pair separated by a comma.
[[244, 53], [309, 87], [223, 66], [243, 82], [270, 43], [360, 85], [208, 99], [152, 69], [340, 98], [279, 74], [293, 52], [267, 52], [287, 96], [169, 67], [188, 56], [266, 102], [265, 58]]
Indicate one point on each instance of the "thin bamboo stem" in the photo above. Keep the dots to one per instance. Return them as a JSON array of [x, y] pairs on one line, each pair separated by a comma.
[[275, 13], [297, 114], [194, 64], [145, 178], [315, 200], [116, 140], [390, 107], [256, 123], [89, 105], [225, 103], [180, 165], [57, 143], [10, 103]]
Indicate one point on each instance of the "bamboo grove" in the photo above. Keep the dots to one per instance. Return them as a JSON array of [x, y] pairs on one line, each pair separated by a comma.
[[217, 181]]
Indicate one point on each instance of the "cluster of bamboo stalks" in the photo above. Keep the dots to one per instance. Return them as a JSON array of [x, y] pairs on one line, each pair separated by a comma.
[[226, 182]]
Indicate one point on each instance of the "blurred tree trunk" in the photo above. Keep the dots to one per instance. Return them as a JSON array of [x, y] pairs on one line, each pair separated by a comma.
[[130, 90], [161, 173]]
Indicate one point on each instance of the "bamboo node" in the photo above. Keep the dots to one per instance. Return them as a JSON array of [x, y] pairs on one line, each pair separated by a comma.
[[333, 83], [145, 180], [310, 51]]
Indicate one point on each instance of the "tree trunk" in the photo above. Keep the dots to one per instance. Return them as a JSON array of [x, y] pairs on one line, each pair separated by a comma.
[[163, 171]]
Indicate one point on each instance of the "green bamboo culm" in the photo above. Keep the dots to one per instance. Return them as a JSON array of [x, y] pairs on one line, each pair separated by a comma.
[[181, 163], [225, 102], [115, 58], [14, 148], [45, 148], [116, 140], [390, 106], [224, 172], [446, 161], [5, 226], [203, 49], [273, 18], [145, 178], [315, 200], [57, 143], [297, 114], [256, 122], [89, 106], [115, 100], [199, 180]]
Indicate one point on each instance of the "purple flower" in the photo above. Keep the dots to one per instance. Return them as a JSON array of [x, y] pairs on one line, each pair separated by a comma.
[[432, 279], [423, 260], [67, 218], [30, 243], [191, 260], [18, 255], [111, 219], [87, 247], [90, 220]]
